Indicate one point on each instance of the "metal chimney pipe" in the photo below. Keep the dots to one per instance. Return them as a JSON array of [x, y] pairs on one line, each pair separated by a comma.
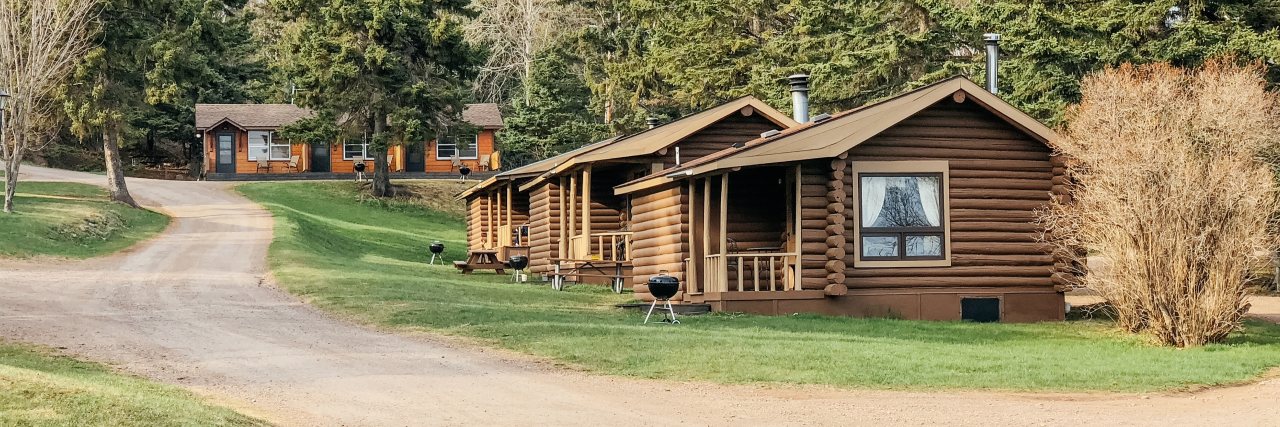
[[652, 122], [799, 97], [993, 61]]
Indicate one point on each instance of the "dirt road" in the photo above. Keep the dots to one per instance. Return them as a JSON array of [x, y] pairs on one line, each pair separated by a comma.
[[190, 308]]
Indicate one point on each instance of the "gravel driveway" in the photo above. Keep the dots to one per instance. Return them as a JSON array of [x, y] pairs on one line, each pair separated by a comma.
[[190, 307]]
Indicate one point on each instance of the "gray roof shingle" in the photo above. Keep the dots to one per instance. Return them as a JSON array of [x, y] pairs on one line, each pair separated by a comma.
[[259, 116]]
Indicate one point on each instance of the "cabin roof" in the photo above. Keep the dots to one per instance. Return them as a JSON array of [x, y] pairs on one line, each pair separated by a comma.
[[249, 116], [655, 139], [843, 131], [272, 116], [529, 170], [486, 115]]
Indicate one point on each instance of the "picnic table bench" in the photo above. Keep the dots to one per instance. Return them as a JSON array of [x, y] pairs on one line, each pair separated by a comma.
[[612, 270], [480, 259]]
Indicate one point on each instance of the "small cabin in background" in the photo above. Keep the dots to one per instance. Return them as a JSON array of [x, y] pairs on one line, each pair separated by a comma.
[[922, 206], [242, 139]]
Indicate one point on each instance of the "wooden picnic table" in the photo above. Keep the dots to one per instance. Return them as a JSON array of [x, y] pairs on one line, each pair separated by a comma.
[[600, 268], [480, 259]]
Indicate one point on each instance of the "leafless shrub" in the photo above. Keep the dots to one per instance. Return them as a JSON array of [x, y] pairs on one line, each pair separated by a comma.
[[1171, 188]]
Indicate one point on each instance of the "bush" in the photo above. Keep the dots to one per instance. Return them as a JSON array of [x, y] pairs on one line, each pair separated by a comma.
[[1171, 188]]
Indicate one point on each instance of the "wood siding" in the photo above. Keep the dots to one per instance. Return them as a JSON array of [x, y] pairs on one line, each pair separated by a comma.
[[242, 163], [660, 219], [477, 221], [720, 135], [544, 226], [485, 145], [999, 176]]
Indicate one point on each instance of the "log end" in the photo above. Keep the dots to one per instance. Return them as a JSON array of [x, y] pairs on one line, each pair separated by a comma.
[[836, 290]]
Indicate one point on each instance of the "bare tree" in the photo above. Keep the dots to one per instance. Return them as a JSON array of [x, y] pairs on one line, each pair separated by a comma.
[[1171, 186], [515, 31], [40, 43]]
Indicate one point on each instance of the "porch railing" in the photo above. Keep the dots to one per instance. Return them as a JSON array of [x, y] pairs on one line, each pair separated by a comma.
[[749, 272], [613, 245]]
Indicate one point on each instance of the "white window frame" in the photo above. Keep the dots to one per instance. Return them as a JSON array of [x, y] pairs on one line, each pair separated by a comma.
[[363, 144], [902, 167], [475, 145], [270, 145]]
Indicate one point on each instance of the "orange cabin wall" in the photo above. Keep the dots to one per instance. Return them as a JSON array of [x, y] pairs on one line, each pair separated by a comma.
[[486, 145]]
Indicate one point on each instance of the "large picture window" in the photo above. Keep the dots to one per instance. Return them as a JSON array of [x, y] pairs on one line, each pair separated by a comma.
[[447, 146], [902, 213], [262, 145]]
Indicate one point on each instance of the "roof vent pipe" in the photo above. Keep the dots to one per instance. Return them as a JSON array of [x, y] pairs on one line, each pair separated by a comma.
[[799, 97], [993, 60], [652, 122]]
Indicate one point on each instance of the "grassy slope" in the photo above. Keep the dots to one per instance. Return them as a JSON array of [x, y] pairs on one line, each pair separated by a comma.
[[365, 260], [50, 219], [40, 389]]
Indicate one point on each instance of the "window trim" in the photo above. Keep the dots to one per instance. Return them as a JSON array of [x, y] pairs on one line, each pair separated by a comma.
[[271, 143], [475, 143], [364, 147], [894, 168]]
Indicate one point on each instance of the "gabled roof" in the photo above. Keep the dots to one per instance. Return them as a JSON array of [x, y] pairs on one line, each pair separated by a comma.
[[530, 170], [653, 140], [486, 116], [272, 116], [839, 134], [249, 116]]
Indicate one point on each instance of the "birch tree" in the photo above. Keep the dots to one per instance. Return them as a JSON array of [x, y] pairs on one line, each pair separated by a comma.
[[40, 43], [515, 32]]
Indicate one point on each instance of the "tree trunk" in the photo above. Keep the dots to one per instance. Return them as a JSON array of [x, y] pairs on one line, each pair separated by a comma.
[[115, 169], [10, 183], [381, 170]]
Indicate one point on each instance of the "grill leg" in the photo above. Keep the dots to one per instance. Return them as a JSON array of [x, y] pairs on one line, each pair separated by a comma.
[[651, 307], [670, 310]]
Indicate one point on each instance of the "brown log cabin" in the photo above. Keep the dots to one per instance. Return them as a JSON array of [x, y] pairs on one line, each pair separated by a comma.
[[921, 206], [566, 203], [241, 139]]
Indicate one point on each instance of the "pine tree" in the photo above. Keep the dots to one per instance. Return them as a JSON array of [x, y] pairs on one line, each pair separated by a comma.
[[396, 69], [556, 115]]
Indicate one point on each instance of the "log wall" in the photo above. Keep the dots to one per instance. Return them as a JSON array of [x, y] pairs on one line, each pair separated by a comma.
[[815, 179], [477, 220], [720, 135], [999, 176], [544, 226], [660, 220]]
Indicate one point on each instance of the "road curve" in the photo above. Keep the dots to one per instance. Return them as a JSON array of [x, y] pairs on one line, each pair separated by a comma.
[[192, 307]]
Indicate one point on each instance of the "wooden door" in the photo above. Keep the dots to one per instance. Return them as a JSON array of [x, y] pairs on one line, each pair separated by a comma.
[[226, 153]]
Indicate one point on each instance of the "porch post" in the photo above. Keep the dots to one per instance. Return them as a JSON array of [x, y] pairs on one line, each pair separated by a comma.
[[706, 230], [509, 206], [691, 270], [560, 218], [586, 210], [723, 214], [573, 215], [795, 236]]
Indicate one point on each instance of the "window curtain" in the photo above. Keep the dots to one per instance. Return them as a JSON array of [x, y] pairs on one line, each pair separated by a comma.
[[873, 189], [928, 188]]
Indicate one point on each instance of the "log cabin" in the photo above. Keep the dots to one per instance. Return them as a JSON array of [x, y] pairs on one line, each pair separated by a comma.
[[241, 139], [574, 213], [921, 206]]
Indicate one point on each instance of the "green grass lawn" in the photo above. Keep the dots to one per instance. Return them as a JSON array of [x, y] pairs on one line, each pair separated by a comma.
[[365, 260], [73, 221], [38, 388]]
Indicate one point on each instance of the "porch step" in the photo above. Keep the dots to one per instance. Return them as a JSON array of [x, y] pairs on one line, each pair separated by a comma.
[[681, 308], [307, 176]]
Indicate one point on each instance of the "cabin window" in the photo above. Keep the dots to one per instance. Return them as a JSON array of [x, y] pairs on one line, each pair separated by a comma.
[[447, 146], [262, 145], [352, 150], [902, 214]]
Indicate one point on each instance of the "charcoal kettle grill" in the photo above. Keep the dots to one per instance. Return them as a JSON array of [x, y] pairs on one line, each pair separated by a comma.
[[437, 252], [663, 288], [518, 263]]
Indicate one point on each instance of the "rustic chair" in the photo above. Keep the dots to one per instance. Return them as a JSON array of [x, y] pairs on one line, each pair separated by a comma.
[[456, 162], [263, 164], [484, 162], [391, 164], [293, 163]]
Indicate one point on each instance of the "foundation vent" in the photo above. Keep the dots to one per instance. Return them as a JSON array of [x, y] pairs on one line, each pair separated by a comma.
[[983, 310]]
